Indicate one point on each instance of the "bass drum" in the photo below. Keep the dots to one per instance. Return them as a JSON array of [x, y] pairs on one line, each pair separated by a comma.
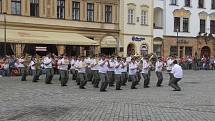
[[15, 72]]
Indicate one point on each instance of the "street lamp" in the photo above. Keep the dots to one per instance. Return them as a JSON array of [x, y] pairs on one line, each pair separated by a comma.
[[5, 35], [177, 30]]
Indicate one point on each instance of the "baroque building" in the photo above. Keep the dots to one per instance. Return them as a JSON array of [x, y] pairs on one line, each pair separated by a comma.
[[75, 27]]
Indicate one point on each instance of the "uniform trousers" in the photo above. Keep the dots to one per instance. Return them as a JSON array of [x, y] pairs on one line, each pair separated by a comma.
[[64, 74], [174, 83], [124, 78], [146, 79], [118, 79], [36, 74], [82, 79], [49, 75], [160, 78], [111, 77], [96, 79], [134, 80], [104, 81]]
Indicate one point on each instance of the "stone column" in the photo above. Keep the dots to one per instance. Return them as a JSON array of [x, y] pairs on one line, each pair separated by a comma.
[[61, 49], [18, 49]]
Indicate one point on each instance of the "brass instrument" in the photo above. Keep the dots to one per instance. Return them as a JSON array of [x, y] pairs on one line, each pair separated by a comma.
[[26, 62], [38, 62], [151, 61]]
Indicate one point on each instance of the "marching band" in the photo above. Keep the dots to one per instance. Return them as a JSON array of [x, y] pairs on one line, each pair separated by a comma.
[[103, 70]]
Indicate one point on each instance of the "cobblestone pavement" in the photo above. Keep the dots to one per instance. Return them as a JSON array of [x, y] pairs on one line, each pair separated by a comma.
[[27, 101]]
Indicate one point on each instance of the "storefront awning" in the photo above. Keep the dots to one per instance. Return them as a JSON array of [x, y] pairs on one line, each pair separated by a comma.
[[43, 37], [108, 42]]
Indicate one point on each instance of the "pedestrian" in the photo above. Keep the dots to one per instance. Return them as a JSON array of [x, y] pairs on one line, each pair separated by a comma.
[[81, 67], [48, 61], [145, 71], [110, 72], [158, 71], [177, 76], [118, 73], [133, 73], [103, 68], [64, 70]]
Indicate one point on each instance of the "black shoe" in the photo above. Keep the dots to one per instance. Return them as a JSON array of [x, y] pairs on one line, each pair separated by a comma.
[[78, 83], [176, 90], [82, 87], [159, 85], [34, 81], [146, 86], [64, 85], [133, 88], [118, 89], [103, 90], [49, 83], [111, 85]]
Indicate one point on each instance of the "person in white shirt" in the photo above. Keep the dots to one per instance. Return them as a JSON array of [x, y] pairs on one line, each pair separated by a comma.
[[169, 67], [145, 71], [103, 68], [88, 61], [33, 68], [81, 67], [22, 68], [118, 73], [158, 71], [133, 73], [111, 65], [72, 69], [48, 61], [177, 76], [64, 72], [95, 71], [124, 72]]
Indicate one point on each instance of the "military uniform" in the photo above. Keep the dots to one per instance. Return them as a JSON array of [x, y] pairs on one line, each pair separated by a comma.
[[103, 67], [145, 73], [118, 74], [158, 71], [64, 72], [81, 67], [133, 74], [49, 70], [95, 71]]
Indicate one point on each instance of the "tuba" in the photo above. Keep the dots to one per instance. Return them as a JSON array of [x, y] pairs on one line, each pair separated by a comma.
[[26, 62], [38, 62]]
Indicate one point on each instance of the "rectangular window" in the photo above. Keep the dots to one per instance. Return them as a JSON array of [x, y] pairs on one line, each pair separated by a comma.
[[90, 12], [108, 13], [212, 26], [1, 6], [202, 25], [130, 16], [34, 8], [177, 24], [60, 9], [157, 49], [173, 50], [201, 3], [185, 24], [16, 7], [188, 51], [173, 2], [75, 10], [144, 17], [212, 4], [187, 3]]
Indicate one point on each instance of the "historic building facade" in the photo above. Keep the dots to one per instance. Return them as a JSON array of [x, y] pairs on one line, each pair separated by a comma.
[[184, 27], [136, 27], [75, 27]]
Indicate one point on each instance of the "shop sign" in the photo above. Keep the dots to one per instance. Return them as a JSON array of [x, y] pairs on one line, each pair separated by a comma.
[[134, 38], [182, 41], [42, 49]]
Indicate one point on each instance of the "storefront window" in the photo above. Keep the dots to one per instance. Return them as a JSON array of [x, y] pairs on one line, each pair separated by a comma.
[[157, 50], [173, 50], [188, 51]]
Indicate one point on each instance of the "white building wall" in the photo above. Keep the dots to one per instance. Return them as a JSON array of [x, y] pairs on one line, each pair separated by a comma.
[[194, 26]]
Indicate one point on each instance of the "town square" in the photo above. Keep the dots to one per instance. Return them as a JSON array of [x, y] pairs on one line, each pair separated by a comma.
[[107, 60]]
